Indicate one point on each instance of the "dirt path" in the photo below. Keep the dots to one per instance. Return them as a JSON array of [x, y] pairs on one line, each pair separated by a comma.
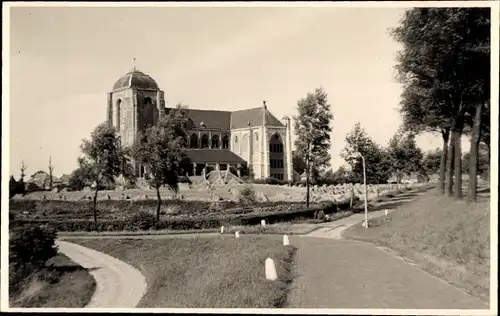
[[118, 284]]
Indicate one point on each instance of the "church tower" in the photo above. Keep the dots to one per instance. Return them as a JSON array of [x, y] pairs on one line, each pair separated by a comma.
[[135, 103]]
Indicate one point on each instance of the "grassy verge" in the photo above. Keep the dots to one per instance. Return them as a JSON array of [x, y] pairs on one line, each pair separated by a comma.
[[61, 284], [218, 272], [448, 238]]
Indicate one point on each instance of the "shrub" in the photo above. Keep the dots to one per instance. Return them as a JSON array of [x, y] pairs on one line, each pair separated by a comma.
[[141, 221], [247, 196], [184, 179], [12, 186], [15, 187], [320, 215], [31, 246]]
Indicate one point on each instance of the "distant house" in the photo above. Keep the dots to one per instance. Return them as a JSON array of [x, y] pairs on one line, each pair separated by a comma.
[[65, 178], [41, 180]]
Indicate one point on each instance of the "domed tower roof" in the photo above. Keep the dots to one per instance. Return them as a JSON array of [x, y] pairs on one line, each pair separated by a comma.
[[135, 79]]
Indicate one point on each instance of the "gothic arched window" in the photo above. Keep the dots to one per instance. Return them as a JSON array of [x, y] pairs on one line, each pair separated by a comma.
[[118, 114], [204, 141], [215, 141], [225, 142], [193, 143]]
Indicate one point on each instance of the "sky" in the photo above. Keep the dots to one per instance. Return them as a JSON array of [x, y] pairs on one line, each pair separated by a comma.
[[63, 61]]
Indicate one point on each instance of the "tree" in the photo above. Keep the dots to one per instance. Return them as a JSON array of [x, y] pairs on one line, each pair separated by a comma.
[[376, 158], [298, 162], [312, 127], [431, 162], [445, 53], [12, 187], [160, 149], [483, 161], [404, 155], [103, 160], [20, 183], [340, 176], [421, 113], [51, 170], [79, 178]]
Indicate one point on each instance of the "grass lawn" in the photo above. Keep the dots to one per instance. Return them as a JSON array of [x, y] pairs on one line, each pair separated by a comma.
[[447, 238], [206, 272], [61, 284]]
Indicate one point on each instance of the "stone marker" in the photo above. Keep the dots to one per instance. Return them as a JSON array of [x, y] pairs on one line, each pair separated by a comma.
[[286, 242], [222, 229], [237, 234], [263, 222], [386, 212], [271, 270]]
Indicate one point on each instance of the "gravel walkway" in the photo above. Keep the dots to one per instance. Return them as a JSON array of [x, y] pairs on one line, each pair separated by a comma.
[[118, 284]]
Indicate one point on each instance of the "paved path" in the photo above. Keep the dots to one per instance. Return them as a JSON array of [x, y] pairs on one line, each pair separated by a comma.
[[336, 273], [118, 284], [349, 274]]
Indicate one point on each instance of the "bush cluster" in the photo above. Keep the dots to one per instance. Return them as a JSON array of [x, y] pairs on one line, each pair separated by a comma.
[[30, 247]]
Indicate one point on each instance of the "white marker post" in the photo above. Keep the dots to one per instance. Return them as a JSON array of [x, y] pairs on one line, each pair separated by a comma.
[[386, 212], [271, 274], [222, 229], [237, 234], [286, 242], [263, 222]]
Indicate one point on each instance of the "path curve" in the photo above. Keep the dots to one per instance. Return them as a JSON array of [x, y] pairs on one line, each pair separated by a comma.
[[118, 284]]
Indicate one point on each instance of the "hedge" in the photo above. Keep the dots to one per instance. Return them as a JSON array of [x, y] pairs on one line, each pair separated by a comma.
[[56, 209], [145, 221]]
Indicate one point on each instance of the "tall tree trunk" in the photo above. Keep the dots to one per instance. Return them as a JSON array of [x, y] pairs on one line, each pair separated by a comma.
[[94, 206], [450, 163], [458, 160], [308, 172], [307, 185], [158, 205], [474, 153], [442, 164]]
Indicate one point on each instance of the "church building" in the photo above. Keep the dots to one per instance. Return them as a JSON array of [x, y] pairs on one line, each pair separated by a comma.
[[220, 139]]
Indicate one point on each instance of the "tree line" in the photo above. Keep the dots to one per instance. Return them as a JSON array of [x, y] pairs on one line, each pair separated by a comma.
[[444, 66]]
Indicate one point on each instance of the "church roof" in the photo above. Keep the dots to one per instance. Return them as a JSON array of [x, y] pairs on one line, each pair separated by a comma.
[[232, 120], [213, 156], [135, 79], [210, 118]]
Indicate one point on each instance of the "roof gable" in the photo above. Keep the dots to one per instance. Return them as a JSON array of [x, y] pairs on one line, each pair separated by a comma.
[[271, 120], [254, 117], [242, 118]]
